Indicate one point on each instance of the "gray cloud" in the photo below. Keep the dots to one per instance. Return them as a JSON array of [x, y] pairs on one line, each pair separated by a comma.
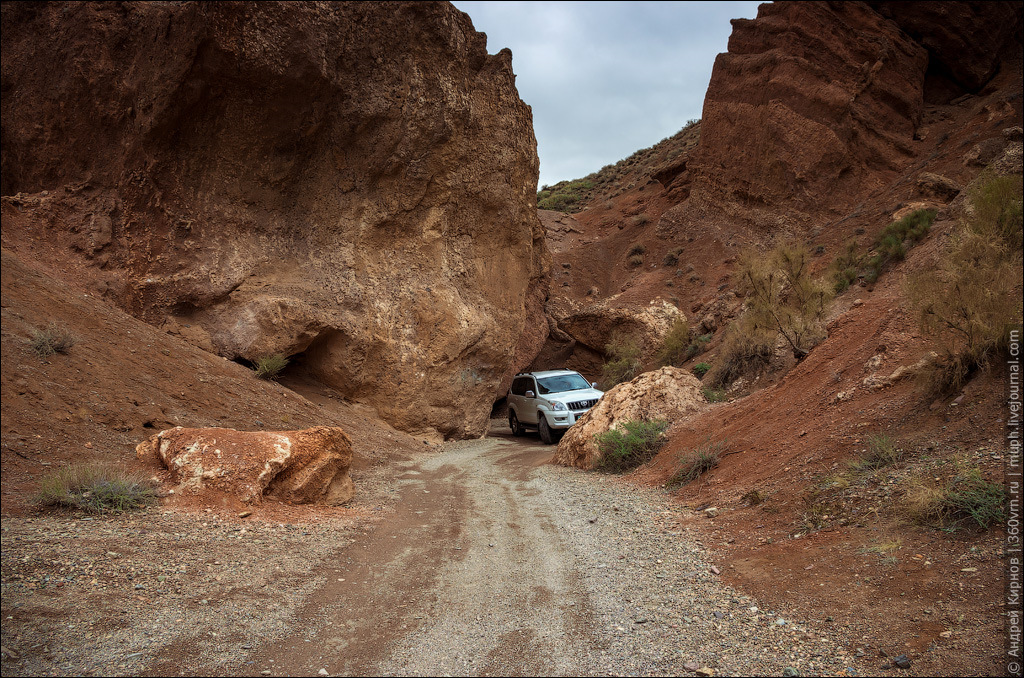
[[606, 79]]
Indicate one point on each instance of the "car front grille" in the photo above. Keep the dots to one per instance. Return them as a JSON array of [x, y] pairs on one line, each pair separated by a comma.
[[582, 405]]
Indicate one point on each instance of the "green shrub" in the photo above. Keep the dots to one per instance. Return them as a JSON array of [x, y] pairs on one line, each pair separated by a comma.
[[697, 462], [971, 497], [713, 395], [698, 345], [269, 367], [631, 444], [700, 369], [95, 487], [892, 245], [565, 196], [623, 361], [675, 344], [56, 338], [895, 239], [971, 300]]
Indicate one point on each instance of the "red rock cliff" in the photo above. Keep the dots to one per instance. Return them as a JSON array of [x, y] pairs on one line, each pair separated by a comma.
[[352, 184], [817, 105]]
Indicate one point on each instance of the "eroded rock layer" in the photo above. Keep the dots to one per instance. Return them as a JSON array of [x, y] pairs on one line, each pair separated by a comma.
[[349, 184], [818, 105]]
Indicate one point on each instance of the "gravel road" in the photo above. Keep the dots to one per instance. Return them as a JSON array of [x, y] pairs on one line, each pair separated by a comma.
[[487, 561]]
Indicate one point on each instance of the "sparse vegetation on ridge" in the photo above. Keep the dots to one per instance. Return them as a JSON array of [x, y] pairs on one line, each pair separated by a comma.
[[565, 196], [612, 180], [972, 298]]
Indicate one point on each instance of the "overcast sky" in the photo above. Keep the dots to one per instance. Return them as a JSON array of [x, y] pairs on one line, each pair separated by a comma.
[[606, 79]]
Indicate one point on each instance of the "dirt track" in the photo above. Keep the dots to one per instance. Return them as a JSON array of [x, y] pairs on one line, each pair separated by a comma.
[[471, 547], [495, 563]]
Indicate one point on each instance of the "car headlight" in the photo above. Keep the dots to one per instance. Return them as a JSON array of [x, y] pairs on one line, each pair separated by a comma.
[[559, 407]]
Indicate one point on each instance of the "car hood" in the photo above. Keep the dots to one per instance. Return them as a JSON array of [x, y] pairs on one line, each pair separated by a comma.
[[575, 396]]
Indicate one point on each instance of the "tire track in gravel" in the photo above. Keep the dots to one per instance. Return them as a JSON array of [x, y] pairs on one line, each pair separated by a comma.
[[469, 576]]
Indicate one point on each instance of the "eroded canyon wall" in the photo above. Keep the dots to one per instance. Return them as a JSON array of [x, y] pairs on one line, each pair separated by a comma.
[[816, 106], [351, 184]]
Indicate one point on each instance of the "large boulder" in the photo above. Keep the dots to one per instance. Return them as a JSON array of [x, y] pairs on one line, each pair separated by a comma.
[[352, 184], [668, 393], [299, 467]]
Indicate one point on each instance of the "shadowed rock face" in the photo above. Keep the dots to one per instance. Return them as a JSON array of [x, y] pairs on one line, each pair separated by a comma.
[[350, 184]]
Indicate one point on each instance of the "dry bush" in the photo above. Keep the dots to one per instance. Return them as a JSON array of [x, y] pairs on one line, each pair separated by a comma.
[[623, 361], [971, 299], [783, 297], [95, 487], [674, 347], [882, 451], [697, 462], [56, 338], [744, 348], [967, 498]]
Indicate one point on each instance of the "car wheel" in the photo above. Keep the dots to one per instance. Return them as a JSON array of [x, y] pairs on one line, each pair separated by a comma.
[[513, 423], [545, 431]]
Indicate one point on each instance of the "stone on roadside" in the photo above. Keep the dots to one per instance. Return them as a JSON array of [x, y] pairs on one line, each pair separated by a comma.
[[300, 467], [901, 662]]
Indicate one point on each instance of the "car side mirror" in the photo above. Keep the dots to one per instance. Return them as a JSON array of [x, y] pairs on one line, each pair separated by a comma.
[[593, 384], [529, 394]]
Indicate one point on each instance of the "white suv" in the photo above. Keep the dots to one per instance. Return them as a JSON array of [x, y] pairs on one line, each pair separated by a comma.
[[549, 402]]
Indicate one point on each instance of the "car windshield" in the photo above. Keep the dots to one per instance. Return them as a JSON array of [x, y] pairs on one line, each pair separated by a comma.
[[562, 382]]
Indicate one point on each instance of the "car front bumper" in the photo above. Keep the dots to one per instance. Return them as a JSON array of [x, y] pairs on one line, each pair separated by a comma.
[[563, 419]]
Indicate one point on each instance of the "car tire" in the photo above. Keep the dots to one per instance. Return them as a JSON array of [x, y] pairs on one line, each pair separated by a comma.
[[513, 423], [546, 435]]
